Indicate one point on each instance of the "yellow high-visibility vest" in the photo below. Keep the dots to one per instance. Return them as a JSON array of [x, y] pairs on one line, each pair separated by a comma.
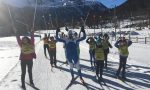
[[123, 50], [105, 44], [99, 53], [92, 45], [27, 48], [52, 44]]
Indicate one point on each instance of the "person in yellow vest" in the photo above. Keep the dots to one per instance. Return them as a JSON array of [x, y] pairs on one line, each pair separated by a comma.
[[46, 46], [99, 59], [27, 55], [52, 51], [106, 45], [92, 45], [122, 44]]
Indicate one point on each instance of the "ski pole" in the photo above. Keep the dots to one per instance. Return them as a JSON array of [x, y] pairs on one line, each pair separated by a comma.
[[45, 23], [33, 24], [84, 23], [11, 18], [51, 22], [72, 23], [86, 18], [56, 19]]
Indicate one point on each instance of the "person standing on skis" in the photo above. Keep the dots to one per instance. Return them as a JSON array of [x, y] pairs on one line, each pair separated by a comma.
[[71, 46], [122, 45], [99, 59], [106, 46], [26, 56], [46, 46], [92, 45], [52, 51]]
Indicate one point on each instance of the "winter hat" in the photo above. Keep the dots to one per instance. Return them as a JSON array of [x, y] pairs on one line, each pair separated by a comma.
[[98, 41], [70, 32], [25, 37], [75, 33], [106, 35]]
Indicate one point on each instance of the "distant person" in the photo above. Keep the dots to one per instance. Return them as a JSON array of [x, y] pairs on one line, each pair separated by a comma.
[[45, 46], [122, 44], [106, 46], [52, 51], [99, 57], [92, 46], [27, 55], [71, 46]]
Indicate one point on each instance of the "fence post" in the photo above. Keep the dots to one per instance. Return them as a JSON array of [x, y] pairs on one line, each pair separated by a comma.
[[145, 40], [137, 39]]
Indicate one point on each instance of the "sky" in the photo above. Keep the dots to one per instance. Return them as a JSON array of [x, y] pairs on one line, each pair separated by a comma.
[[18, 3], [112, 3], [107, 3]]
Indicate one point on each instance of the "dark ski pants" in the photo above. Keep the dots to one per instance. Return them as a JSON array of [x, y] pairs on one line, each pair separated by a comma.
[[77, 66], [52, 54], [99, 67], [106, 52], [92, 57], [29, 64], [46, 47], [122, 65], [105, 57]]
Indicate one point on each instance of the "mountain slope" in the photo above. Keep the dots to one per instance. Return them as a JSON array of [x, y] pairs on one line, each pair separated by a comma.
[[137, 7], [62, 13]]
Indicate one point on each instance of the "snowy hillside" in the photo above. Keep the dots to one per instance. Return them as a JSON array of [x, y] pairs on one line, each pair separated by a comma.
[[50, 3]]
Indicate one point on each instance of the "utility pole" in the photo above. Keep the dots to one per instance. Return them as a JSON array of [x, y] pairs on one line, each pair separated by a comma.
[[94, 23], [149, 18], [130, 25], [51, 20], [101, 23], [44, 22]]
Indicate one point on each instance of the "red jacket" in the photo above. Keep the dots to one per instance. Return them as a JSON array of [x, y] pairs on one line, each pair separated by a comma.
[[26, 56]]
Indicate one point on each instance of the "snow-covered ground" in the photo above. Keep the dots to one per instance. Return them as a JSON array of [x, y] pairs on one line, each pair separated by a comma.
[[138, 68]]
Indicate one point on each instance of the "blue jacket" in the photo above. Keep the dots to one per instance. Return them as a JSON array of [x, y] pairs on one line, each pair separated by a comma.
[[71, 46]]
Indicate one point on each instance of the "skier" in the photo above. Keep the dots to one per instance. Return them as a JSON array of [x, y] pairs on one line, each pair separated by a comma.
[[71, 45], [92, 45], [52, 51], [46, 47], [99, 56], [106, 45], [27, 55], [122, 44]]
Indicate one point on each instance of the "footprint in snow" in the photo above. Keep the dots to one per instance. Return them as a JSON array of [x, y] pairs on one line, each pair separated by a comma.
[[14, 80]]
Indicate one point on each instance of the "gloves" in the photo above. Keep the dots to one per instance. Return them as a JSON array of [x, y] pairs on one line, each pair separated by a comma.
[[82, 29], [66, 29], [58, 30]]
